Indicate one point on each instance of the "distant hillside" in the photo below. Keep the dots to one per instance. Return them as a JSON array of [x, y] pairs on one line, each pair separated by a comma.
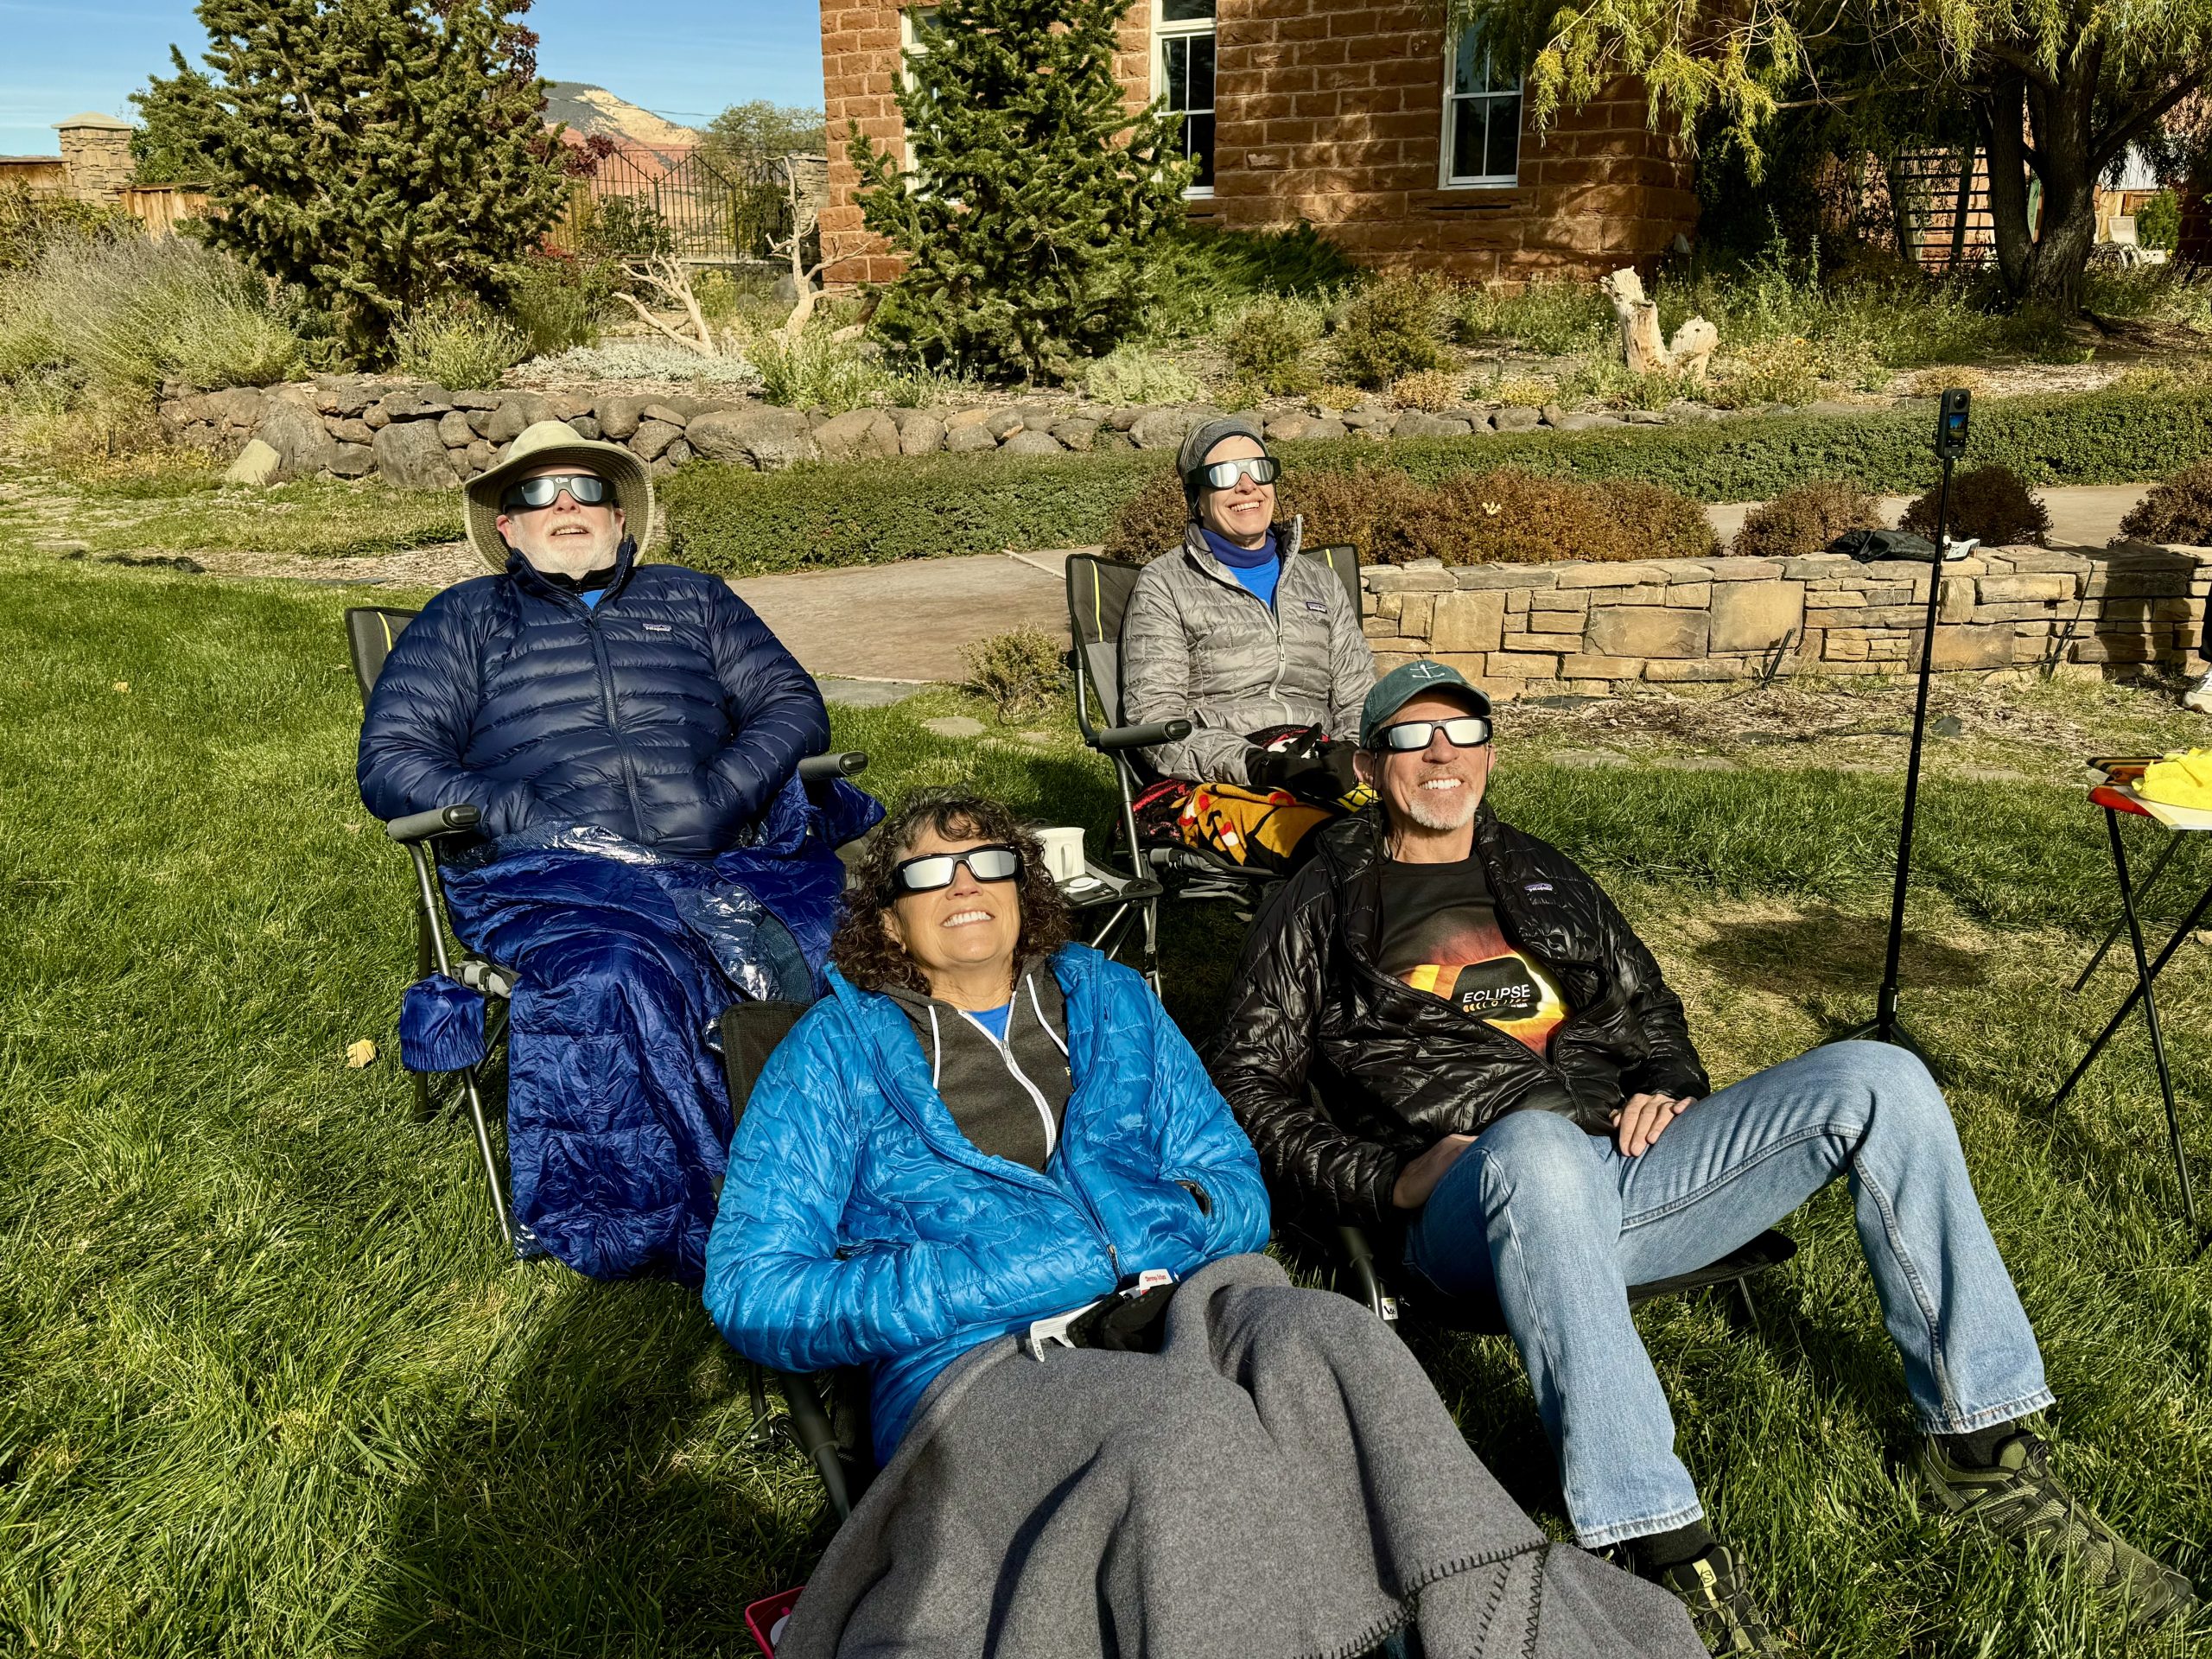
[[585, 109]]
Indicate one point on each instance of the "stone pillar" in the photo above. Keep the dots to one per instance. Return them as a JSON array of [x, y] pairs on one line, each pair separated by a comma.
[[95, 157]]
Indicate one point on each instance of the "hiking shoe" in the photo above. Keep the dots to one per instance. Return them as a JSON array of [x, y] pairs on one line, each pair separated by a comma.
[[1711, 1585], [2018, 1498]]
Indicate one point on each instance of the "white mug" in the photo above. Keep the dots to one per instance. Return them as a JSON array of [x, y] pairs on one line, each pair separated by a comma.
[[1063, 853]]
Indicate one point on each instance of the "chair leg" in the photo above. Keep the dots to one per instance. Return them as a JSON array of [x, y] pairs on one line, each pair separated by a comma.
[[1150, 967], [756, 1393], [490, 1160], [810, 1425], [1751, 1308]]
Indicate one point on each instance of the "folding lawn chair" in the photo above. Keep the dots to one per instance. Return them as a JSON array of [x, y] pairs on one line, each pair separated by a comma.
[[829, 1424], [371, 633], [1135, 878]]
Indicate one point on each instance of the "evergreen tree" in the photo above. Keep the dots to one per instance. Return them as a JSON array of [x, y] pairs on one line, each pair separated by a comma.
[[176, 117], [381, 154], [1030, 189]]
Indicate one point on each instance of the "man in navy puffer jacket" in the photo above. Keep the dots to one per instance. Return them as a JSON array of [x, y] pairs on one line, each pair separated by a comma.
[[579, 685], [589, 704]]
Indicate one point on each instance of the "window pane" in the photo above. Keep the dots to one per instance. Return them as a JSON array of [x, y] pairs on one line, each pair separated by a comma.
[[1175, 65], [1201, 88], [1469, 65], [1198, 140], [1504, 152], [1186, 11], [1466, 137]]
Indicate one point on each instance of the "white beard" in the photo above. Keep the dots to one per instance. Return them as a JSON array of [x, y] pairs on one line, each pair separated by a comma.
[[574, 555], [1443, 809]]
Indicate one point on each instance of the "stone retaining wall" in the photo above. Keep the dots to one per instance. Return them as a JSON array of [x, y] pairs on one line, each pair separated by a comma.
[[1531, 630], [422, 436]]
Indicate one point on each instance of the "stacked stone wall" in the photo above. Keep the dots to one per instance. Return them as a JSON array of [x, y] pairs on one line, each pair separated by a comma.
[[1542, 629], [422, 437]]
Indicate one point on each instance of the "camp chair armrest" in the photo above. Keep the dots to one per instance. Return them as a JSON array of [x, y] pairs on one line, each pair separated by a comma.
[[438, 821], [821, 768], [1142, 737]]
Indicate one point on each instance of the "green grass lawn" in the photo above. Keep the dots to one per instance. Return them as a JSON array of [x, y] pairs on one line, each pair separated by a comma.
[[267, 1388]]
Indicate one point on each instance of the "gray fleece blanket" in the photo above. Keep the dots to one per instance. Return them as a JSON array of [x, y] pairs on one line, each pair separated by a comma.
[[1279, 1481]]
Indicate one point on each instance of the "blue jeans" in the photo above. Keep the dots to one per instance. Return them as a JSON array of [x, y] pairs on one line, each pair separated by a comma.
[[1558, 1224]]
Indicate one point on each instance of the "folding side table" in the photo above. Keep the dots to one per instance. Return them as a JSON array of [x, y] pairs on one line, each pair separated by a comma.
[[2119, 796]]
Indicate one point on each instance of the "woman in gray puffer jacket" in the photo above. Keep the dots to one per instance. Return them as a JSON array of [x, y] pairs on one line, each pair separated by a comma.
[[1260, 650]]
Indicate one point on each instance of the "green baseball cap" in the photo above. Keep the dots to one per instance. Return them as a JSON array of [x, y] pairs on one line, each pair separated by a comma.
[[1411, 680]]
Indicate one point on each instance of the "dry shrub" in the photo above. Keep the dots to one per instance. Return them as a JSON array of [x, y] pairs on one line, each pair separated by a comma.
[[1020, 672], [1662, 524], [1805, 520], [2178, 513], [1430, 389], [1338, 396], [1153, 522], [1989, 505], [1392, 327], [1510, 517], [1524, 391], [1504, 517], [1375, 509]]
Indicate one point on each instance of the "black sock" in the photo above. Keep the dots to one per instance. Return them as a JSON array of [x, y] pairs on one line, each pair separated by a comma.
[[1979, 1449], [1654, 1553]]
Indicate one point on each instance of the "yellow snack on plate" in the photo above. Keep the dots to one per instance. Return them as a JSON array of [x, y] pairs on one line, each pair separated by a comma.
[[2183, 779]]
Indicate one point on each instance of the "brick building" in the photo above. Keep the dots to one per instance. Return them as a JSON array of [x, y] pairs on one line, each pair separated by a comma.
[[1404, 146]]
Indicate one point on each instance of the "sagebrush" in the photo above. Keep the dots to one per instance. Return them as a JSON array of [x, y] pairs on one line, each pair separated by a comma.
[[1020, 672], [459, 345], [1393, 327], [115, 311]]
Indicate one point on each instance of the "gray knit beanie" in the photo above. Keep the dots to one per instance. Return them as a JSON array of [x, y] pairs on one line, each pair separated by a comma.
[[1200, 443]]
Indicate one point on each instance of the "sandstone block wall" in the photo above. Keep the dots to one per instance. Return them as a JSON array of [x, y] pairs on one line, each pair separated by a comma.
[[1541, 629], [1333, 114]]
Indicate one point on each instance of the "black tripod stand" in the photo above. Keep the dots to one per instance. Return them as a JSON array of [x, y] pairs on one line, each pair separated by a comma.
[[1885, 1027]]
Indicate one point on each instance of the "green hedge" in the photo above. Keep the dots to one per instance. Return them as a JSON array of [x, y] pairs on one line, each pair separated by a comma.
[[741, 523]]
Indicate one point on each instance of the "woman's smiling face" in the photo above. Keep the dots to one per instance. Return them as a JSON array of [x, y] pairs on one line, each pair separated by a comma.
[[969, 926]]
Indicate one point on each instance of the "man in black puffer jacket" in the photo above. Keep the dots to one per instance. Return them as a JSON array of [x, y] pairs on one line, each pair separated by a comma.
[[632, 734], [1507, 1077]]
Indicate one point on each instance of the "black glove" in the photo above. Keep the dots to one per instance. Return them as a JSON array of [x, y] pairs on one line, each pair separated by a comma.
[[1320, 774], [1337, 760], [1124, 1325]]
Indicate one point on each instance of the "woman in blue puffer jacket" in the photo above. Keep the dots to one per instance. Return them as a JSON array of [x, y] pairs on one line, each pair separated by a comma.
[[989, 1168]]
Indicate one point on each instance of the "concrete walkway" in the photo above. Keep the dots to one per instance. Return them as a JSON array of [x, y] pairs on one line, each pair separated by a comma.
[[909, 622]]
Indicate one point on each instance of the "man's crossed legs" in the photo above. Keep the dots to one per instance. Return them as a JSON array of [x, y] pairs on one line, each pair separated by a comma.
[[1558, 1222]]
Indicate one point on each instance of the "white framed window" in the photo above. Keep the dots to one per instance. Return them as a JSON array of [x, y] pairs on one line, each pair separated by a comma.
[[1482, 118], [916, 25], [1182, 73]]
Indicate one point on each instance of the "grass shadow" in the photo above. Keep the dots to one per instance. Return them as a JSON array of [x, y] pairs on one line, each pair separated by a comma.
[[1826, 950], [602, 1496]]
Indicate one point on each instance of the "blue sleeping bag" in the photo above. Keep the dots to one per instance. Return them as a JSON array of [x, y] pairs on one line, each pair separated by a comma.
[[618, 1118]]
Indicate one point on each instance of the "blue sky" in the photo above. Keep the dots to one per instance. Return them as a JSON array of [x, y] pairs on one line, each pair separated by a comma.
[[697, 56]]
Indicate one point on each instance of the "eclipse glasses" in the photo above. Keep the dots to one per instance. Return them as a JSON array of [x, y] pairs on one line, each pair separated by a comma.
[[933, 872], [586, 489], [1461, 731], [1222, 475]]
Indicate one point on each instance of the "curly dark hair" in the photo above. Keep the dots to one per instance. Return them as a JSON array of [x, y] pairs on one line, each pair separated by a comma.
[[865, 953]]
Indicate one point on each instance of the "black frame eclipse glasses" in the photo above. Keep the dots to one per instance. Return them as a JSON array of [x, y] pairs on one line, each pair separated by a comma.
[[585, 489], [1222, 475], [934, 872], [1408, 736]]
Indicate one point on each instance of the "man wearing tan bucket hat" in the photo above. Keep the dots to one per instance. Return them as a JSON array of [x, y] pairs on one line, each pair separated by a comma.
[[630, 735]]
